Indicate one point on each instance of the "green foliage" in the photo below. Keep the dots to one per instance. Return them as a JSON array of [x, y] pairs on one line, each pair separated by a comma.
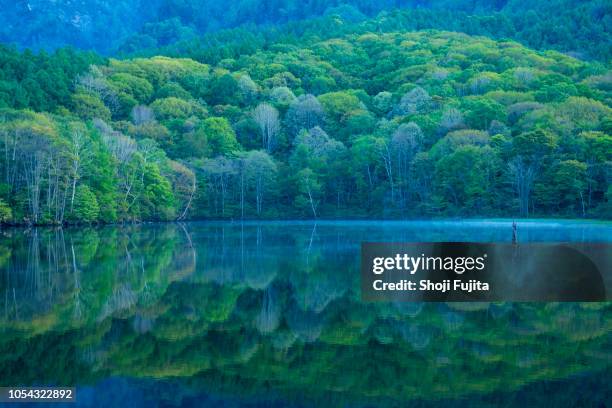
[[88, 106], [138, 88], [533, 145], [309, 189], [42, 82], [465, 178], [176, 303], [172, 108], [220, 136], [223, 90], [340, 108], [159, 202], [579, 27], [6, 214], [86, 208], [481, 112], [333, 118]]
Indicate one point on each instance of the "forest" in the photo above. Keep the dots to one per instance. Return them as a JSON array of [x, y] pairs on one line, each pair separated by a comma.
[[583, 28], [338, 116]]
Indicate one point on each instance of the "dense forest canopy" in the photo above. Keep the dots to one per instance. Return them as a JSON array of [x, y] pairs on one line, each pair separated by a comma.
[[329, 117], [580, 27], [397, 124]]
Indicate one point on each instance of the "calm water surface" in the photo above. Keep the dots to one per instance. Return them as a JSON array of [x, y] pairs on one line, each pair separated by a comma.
[[269, 314]]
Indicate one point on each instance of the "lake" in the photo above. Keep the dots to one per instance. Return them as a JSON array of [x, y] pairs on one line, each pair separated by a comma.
[[269, 314]]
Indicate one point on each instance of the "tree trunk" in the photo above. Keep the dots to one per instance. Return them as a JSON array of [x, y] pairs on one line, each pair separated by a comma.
[[312, 205]]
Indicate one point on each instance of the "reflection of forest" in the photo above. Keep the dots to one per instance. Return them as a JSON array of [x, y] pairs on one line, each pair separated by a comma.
[[246, 309]]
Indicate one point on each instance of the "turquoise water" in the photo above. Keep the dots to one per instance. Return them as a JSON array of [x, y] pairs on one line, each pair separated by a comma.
[[269, 314]]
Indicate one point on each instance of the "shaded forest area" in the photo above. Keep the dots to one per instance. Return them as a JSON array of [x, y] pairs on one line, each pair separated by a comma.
[[580, 27], [329, 117]]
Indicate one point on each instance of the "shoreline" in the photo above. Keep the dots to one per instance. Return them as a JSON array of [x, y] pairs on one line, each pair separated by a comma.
[[322, 221]]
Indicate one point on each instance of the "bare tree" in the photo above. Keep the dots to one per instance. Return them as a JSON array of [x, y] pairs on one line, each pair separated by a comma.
[[310, 186], [266, 117], [524, 173], [248, 88], [305, 112], [35, 159], [384, 151], [93, 82], [142, 114], [422, 174], [406, 142], [10, 139], [219, 172], [261, 172], [415, 101], [451, 119], [78, 154], [124, 149], [184, 185]]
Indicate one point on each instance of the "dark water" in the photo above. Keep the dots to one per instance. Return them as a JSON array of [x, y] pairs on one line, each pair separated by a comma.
[[269, 314]]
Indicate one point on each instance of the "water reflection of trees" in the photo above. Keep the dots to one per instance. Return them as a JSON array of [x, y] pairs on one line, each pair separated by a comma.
[[241, 306], [87, 273]]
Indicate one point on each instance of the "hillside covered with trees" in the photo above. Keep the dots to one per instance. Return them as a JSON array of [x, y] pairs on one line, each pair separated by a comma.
[[367, 123], [583, 28]]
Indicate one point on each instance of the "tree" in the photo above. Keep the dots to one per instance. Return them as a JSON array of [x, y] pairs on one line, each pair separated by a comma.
[[223, 90], [383, 102], [385, 153], [79, 152], [458, 138], [89, 107], [172, 89], [6, 214], [142, 114], [282, 97], [596, 152], [406, 141], [482, 111], [261, 174], [184, 184], [194, 143], [584, 113], [528, 151], [172, 108], [338, 107], [140, 89], [94, 84], [452, 119], [220, 136], [422, 171], [158, 199], [464, 178], [305, 112], [414, 101], [86, 207], [364, 157], [308, 186], [38, 152], [326, 157], [218, 172], [266, 117], [248, 89], [570, 183]]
